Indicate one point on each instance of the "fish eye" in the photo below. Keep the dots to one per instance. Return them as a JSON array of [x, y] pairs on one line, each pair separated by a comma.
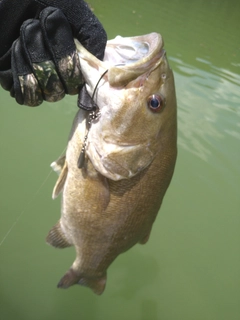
[[156, 102]]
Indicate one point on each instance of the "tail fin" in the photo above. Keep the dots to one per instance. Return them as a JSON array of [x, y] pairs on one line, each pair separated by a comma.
[[97, 284]]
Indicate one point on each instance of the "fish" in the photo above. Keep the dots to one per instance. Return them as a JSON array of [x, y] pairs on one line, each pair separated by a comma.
[[120, 158]]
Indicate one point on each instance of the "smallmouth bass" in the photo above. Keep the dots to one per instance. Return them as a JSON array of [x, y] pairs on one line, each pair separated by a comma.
[[130, 147]]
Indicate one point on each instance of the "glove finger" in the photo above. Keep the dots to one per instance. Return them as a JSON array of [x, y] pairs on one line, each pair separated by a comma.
[[59, 40], [25, 89], [40, 61], [87, 28], [6, 79]]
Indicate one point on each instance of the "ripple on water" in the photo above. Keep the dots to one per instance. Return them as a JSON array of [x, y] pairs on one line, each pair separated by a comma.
[[208, 111]]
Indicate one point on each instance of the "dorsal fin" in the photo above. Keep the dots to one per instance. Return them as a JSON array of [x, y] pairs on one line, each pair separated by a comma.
[[60, 181], [56, 237]]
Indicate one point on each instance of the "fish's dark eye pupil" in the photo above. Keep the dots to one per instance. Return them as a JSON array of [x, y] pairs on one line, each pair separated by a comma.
[[155, 103]]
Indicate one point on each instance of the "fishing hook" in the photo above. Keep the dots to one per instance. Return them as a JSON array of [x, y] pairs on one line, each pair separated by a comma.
[[92, 116]]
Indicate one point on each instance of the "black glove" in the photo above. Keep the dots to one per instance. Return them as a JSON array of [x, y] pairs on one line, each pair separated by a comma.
[[42, 63]]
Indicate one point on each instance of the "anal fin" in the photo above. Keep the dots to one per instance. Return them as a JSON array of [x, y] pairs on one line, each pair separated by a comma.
[[60, 181], [56, 237], [145, 238]]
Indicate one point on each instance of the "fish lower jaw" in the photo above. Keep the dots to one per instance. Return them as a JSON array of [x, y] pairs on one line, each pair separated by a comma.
[[102, 165]]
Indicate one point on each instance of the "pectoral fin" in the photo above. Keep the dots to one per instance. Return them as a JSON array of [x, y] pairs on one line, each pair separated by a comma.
[[60, 182], [58, 165], [56, 237]]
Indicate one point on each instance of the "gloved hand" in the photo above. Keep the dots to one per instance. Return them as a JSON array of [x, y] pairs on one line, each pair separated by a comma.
[[38, 59]]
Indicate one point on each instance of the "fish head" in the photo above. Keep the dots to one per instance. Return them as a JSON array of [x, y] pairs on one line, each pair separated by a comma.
[[133, 88]]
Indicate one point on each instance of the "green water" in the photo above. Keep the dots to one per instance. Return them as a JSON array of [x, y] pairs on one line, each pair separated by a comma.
[[190, 268]]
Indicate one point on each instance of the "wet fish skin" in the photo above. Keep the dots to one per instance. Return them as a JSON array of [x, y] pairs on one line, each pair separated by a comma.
[[109, 206]]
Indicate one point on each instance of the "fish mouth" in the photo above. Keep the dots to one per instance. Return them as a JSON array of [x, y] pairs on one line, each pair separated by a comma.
[[125, 58], [138, 50], [130, 57]]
